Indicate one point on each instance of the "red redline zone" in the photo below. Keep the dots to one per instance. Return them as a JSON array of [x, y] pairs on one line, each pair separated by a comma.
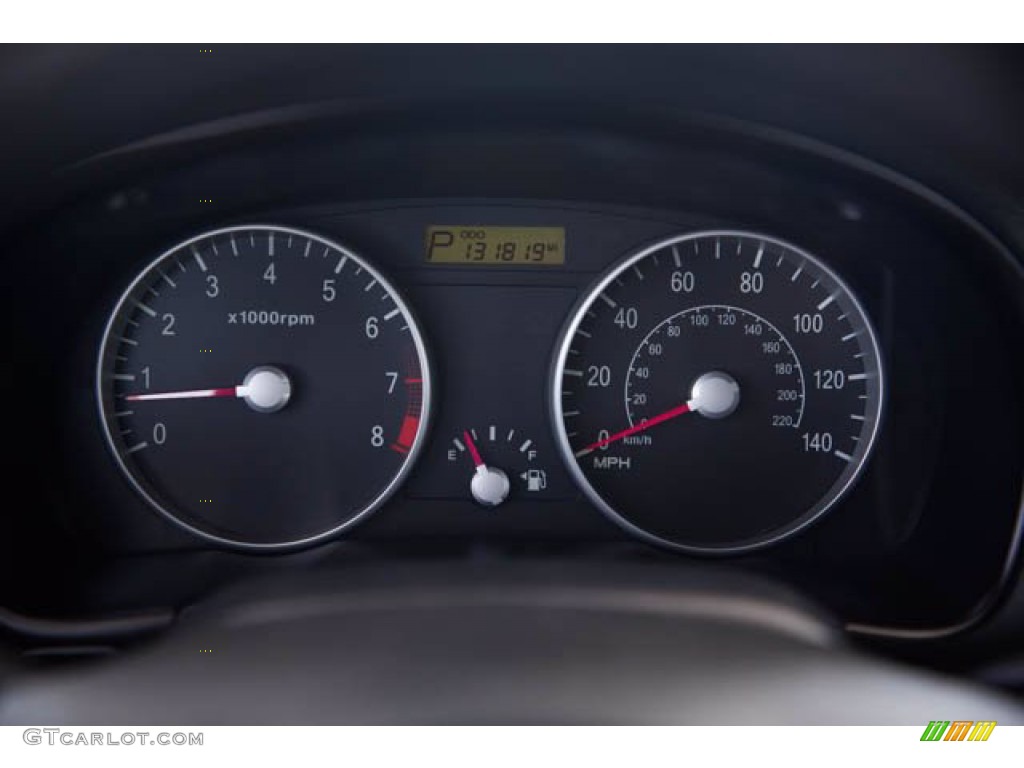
[[406, 434]]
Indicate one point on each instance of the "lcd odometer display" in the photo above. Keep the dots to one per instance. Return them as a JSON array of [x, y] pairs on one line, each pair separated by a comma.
[[500, 246]]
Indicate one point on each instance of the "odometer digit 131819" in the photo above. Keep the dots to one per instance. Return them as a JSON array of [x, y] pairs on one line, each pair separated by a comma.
[[263, 387], [717, 392]]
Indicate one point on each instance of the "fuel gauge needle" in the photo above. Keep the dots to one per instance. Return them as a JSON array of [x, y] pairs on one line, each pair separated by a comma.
[[474, 454]]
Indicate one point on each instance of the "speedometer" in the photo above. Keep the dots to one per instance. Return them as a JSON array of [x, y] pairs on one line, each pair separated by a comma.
[[263, 387], [717, 392]]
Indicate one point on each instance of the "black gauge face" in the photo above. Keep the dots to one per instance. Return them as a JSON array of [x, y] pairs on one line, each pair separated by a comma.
[[263, 387], [717, 392]]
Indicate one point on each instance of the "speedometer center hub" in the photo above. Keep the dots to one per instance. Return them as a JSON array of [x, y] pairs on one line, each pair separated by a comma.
[[715, 395]]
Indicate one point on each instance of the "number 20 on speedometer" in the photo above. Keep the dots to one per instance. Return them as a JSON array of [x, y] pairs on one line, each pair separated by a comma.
[[717, 392]]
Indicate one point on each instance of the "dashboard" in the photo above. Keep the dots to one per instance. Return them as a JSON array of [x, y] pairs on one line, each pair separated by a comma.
[[516, 328]]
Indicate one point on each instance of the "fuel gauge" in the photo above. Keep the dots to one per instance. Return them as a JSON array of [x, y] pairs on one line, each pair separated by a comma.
[[498, 464]]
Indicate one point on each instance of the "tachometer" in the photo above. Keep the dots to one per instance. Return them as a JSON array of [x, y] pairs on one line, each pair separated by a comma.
[[717, 392], [263, 387]]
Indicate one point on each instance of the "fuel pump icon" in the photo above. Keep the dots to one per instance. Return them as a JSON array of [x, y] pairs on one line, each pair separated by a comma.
[[536, 480]]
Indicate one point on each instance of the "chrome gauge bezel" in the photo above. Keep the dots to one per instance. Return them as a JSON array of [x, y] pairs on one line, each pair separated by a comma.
[[358, 516], [564, 447]]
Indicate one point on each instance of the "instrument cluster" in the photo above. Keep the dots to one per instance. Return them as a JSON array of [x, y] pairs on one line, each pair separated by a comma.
[[694, 347]]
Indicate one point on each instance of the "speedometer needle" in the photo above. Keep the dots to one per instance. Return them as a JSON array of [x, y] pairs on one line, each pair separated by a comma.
[[714, 395], [679, 410]]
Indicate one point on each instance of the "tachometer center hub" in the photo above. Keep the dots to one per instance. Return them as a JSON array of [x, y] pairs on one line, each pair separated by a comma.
[[266, 389]]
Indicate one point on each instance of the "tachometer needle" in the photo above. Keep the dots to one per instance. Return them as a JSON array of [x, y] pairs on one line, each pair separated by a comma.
[[265, 389], [672, 413], [191, 393]]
